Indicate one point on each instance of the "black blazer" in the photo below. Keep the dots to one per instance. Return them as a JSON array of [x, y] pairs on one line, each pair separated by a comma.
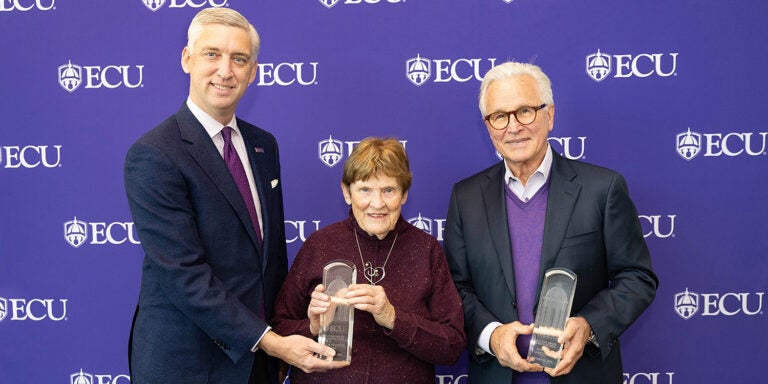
[[206, 284], [591, 227]]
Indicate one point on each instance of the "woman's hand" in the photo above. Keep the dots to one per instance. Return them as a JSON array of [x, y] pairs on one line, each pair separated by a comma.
[[319, 305], [373, 299]]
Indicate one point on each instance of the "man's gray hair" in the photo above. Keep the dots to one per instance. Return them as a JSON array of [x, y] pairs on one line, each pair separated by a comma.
[[514, 69], [223, 16]]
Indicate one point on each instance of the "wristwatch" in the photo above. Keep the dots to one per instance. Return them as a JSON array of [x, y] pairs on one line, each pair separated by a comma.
[[592, 339]]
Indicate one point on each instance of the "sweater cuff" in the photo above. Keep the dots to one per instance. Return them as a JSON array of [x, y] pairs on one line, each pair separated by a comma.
[[403, 330]]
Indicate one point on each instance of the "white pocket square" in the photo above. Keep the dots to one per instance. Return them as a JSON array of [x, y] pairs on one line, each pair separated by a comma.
[[274, 183]]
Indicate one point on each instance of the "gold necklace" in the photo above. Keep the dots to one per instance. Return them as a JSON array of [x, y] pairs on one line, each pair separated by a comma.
[[371, 273]]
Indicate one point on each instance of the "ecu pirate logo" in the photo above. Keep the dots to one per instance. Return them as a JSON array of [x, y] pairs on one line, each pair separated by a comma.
[[598, 66], [418, 70], [70, 76], [153, 5], [75, 232], [686, 304], [330, 151], [3, 308], [329, 3], [423, 223], [81, 378], [688, 144]]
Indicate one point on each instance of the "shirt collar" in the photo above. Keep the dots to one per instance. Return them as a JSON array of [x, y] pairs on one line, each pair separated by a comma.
[[543, 170], [212, 127]]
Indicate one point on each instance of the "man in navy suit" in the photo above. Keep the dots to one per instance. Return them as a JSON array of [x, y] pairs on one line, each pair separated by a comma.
[[213, 238], [535, 210]]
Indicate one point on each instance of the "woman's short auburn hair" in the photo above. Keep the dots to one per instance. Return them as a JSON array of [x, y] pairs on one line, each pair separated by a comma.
[[374, 156]]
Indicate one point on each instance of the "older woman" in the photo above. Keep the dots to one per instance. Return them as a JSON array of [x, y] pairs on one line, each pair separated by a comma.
[[408, 315]]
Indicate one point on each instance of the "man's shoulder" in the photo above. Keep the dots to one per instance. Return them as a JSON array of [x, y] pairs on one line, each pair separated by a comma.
[[583, 169], [163, 132], [249, 128], [482, 176]]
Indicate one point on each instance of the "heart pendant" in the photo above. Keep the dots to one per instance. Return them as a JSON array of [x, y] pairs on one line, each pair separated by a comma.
[[373, 275]]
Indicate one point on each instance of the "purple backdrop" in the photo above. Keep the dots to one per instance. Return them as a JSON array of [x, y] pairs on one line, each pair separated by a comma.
[[668, 93]]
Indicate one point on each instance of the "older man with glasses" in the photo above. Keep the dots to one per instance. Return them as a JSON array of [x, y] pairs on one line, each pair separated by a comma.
[[535, 210]]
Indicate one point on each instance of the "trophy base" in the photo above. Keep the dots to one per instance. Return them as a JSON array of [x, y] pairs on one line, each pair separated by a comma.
[[545, 350], [336, 336]]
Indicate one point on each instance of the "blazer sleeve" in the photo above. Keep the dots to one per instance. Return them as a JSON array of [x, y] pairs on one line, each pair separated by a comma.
[[633, 283], [476, 314]]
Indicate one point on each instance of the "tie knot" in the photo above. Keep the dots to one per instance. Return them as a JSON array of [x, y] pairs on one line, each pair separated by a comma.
[[226, 134]]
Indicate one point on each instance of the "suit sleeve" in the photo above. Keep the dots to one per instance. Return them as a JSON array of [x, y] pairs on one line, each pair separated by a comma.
[[165, 216], [476, 315], [633, 284]]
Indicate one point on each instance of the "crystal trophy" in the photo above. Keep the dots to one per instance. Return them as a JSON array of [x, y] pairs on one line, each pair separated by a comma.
[[552, 314], [337, 323]]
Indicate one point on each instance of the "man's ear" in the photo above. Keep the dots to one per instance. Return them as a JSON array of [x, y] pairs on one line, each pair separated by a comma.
[[185, 58]]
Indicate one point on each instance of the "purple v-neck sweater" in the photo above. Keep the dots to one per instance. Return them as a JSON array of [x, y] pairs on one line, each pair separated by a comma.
[[526, 233]]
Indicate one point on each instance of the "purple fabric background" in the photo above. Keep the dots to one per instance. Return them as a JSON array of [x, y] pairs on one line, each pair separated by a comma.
[[337, 71]]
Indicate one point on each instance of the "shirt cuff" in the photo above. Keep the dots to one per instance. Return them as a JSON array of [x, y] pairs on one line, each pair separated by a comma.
[[484, 341], [256, 346]]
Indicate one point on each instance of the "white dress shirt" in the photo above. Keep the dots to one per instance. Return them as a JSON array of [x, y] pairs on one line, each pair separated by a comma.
[[214, 128]]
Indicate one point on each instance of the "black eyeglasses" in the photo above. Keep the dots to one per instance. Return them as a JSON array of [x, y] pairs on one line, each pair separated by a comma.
[[524, 115]]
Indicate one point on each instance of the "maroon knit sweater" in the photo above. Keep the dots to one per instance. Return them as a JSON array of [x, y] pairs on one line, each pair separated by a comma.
[[429, 323]]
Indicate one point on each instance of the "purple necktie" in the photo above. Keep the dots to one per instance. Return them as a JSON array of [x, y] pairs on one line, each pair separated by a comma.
[[238, 173]]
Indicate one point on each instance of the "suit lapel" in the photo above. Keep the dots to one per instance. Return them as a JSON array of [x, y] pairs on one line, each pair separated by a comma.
[[258, 161], [563, 193], [204, 152], [496, 212]]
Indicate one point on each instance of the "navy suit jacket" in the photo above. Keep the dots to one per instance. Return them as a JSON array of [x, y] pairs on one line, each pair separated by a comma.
[[591, 227], [207, 286]]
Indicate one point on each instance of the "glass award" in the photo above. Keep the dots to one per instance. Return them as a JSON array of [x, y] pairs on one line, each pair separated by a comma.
[[552, 314], [337, 323]]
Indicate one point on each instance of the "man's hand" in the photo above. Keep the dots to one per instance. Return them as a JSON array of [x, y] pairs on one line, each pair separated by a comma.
[[574, 338], [299, 351], [502, 345]]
